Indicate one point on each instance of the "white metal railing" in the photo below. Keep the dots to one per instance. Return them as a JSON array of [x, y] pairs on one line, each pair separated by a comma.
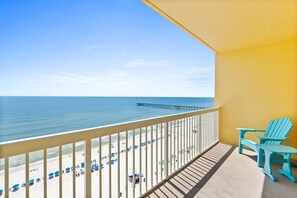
[[121, 160]]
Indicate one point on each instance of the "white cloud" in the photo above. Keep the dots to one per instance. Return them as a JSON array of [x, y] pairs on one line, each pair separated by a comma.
[[200, 77], [175, 81], [74, 78], [146, 63], [201, 71]]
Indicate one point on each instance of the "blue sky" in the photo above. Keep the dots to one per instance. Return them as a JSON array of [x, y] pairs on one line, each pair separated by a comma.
[[98, 48]]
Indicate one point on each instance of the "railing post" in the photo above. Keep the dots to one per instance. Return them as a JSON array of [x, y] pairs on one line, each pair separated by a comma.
[[119, 164], [27, 174], [200, 134], [74, 171], [140, 162], [60, 172], [146, 160], [100, 169], [166, 150], [45, 173], [152, 168], [109, 166], [126, 153], [217, 113], [133, 163], [88, 182], [6, 172]]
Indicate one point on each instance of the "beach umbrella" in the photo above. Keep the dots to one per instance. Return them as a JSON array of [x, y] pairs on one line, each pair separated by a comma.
[[15, 187], [113, 161], [82, 164], [95, 168], [56, 173], [1, 192], [51, 175], [31, 182], [67, 169]]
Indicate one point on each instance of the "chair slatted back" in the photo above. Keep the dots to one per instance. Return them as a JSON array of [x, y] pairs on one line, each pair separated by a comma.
[[278, 128]]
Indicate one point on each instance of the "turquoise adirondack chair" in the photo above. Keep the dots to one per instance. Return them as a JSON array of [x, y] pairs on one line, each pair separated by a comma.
[[275, 133]]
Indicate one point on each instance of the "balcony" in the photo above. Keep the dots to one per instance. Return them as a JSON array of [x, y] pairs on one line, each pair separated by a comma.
[[222, 172], [123, 160]]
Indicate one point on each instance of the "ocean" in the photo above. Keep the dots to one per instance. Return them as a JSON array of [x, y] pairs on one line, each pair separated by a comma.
[[24, 117]]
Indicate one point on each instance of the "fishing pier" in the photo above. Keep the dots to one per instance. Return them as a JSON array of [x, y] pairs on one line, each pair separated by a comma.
[[169, 106]]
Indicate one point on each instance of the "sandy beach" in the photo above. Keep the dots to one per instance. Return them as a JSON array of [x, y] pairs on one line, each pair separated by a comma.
[[17, 175]]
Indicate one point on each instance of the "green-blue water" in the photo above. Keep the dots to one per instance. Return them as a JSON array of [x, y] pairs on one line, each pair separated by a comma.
[[23, 117]]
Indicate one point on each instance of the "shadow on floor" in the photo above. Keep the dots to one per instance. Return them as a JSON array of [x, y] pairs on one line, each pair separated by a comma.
[[193, 177]]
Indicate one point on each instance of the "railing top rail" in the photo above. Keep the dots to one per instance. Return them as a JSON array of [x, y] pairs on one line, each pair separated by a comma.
[[17, 147]]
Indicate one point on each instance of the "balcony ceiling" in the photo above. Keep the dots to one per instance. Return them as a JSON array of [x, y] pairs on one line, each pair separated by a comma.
[[232, 24]]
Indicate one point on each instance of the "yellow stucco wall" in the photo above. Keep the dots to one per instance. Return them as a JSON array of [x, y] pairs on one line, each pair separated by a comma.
[[254, 85]]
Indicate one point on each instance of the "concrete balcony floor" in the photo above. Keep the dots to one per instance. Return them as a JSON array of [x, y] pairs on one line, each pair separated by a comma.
[[222, 172]]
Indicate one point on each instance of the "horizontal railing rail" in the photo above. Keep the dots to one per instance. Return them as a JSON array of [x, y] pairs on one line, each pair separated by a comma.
[[131, 157]]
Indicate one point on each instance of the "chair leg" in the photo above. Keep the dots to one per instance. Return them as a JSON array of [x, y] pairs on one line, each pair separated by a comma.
[[240, 148], [260, 158]]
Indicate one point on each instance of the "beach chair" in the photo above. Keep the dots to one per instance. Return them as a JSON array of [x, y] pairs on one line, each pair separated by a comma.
[[275, 133]]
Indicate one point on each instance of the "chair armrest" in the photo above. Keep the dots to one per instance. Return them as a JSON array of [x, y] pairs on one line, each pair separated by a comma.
[[262, 139], [242, 131], [250, 130]]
